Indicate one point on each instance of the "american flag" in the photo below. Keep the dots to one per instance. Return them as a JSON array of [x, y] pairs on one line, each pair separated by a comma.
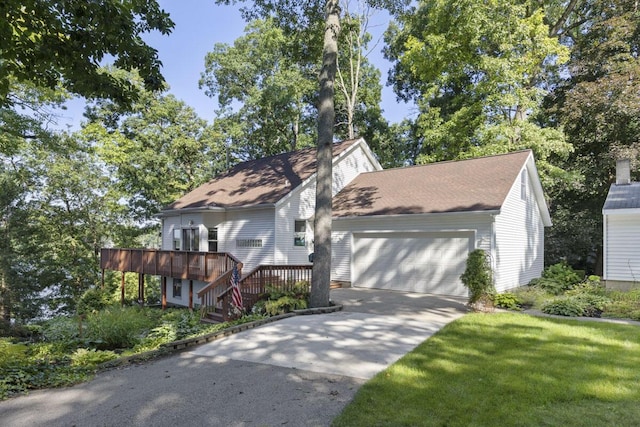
[[236, 295]]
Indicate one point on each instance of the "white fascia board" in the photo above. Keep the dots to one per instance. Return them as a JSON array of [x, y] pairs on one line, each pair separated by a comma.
[[422, 215], [538, 192], [629, 211], [174, 212]]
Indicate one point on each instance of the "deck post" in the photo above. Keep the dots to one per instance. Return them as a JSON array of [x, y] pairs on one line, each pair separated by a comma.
[[141, 289], [122, 290], [164, 293]]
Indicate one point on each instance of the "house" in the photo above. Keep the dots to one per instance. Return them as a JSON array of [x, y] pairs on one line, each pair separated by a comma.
[[261, 211], [412, 228], [621, 231], [408, 229]]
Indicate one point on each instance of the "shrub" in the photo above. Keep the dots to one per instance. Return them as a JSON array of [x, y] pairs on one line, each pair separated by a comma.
[[477, 277], [278, 301], [587, 305], [564, 306], [117, 328], [91, 358], [507, 300], [557, 278], [94, 299]]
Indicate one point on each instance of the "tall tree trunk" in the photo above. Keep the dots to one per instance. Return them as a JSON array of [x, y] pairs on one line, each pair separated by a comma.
[[326, 118]]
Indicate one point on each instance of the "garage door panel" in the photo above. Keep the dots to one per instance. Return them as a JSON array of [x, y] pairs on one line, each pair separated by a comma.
[[415, 262]]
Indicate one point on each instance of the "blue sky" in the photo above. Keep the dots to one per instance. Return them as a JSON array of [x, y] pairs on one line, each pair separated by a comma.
[[199, 24]]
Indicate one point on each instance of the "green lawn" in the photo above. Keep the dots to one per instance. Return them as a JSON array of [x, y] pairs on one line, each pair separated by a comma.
[[509, 370]]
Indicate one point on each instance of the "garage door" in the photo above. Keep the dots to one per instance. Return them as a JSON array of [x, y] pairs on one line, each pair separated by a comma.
[[414, 262]]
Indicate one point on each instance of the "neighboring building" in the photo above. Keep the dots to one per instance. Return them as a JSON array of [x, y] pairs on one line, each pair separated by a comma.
[[408, 229], [621, 231]]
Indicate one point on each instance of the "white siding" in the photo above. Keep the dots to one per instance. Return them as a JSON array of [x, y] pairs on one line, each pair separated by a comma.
[[342, 237], [621, 248], [300, 205], [519, 251], [169, 224], [183, 300], [245, 224]]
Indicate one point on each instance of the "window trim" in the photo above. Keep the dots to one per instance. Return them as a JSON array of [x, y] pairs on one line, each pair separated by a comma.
[[177, 285], [299, 237]]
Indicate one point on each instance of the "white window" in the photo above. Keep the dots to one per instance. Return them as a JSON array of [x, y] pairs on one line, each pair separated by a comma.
[[176, 239], [190, 239], [299, 232], [213, 240], [249, 243], [177, 288], [523, 185]]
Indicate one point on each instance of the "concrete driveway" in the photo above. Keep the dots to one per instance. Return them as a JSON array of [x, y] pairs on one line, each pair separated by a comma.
[[374, 330], [298, 371]]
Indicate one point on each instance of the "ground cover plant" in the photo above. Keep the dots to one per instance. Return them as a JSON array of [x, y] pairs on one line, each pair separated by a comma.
[[67, 350], [563, 291], [509, 369]]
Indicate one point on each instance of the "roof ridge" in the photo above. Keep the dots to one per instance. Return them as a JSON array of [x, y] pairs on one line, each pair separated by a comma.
[[445, 162]]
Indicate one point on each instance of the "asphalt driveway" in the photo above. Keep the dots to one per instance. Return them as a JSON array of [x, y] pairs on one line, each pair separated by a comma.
[[298, 371]]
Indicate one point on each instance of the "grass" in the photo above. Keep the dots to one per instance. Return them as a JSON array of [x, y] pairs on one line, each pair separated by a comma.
[[509, 370]]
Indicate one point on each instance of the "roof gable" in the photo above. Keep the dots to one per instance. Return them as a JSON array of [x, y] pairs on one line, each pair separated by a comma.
[[256, 182], [480, 184]]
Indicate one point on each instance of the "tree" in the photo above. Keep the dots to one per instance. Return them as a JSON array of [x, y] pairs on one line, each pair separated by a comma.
[[598, 106], [156, 151], [265, 95], [479, 72], [63, 43], [315, 24]]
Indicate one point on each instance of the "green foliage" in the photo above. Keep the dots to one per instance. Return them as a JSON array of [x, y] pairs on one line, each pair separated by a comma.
[[64, 42], [91, 358], [584, 304], [477, 276], [507, 300], [11, 352], [557, 278], [279, 301], [94, 299], [117, 328]]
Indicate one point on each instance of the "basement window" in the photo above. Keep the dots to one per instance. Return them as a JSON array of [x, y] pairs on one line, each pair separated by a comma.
[[177, 288]]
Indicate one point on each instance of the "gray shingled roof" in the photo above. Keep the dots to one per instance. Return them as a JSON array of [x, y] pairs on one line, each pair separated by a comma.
[[256, 182], [480, 184], [623, 197]]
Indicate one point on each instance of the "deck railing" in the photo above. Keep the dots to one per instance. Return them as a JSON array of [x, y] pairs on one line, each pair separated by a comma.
[[204, 266], [218, 295]]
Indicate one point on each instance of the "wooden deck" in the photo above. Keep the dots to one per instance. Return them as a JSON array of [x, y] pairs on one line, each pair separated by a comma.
[[204, 266]]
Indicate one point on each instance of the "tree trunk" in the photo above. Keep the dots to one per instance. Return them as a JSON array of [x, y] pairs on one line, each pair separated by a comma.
[[326, 118]]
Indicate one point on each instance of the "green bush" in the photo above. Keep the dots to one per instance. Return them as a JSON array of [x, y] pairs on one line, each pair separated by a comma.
[[507, 300], [117, 328], [557, 278], [91, 358], [278, 301], [587, 305], [477, 277], [94, 299]]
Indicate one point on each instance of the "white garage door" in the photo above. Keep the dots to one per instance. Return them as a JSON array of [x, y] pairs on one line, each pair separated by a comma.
[[414, 262]]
